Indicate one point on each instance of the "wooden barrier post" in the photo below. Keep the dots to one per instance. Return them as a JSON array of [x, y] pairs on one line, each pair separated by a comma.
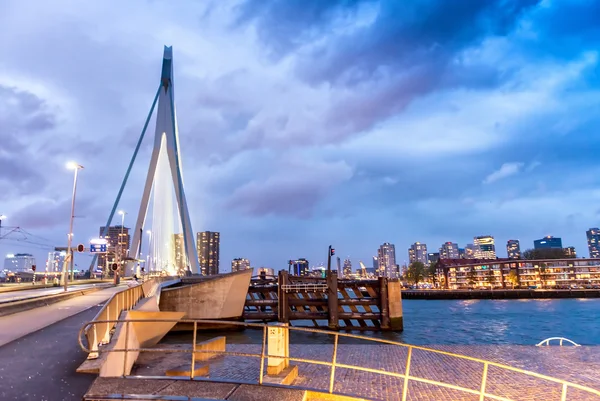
[[332, 301], [383, 303], [283, 309]]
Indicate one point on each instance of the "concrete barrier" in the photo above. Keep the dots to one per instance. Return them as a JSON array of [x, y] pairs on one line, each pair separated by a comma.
[[9, 308]]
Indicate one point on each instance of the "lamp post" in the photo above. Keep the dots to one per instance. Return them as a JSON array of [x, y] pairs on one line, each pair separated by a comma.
[[2, 217], [75, 167], [149, 249], [122, 213]]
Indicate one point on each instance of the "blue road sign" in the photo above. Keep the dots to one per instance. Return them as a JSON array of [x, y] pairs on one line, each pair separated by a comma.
[[97, 248]]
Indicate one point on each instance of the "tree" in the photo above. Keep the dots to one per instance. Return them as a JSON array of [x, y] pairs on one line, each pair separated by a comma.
[[432, 272], [416, 272], [513, 277], [546, 253]]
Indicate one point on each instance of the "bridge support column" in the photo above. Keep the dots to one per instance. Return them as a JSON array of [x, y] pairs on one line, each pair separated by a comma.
[[283, 309]]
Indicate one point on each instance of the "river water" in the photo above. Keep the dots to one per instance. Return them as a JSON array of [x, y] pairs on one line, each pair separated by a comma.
[[475, 322]]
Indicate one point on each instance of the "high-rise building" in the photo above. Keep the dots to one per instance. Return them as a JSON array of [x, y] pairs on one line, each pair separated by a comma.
[[433, 257], [347, 268], [461, 253], [55, 261], [299, 267], [19, 262], [417, 253], [239, 264], [181, 262], [449, 250], [470, 251], [593, 240], [375, 264], [570, 252], [207, 243], [386, 260], [117, 238], [513, 249], [484, 247], [548, 242]]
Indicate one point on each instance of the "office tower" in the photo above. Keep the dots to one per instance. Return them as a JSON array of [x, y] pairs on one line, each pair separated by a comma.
[[375, 264], [118, 240], [470, 251], [55, 261], [417, 253], [19, 262], [548, 242], [449, 250], [181, 262], [513, 249], [461, 253], [433, 257], [484, 247], [386, 260], [347, 268], [299, 267], [207, 243], [593, 241], [570, 252], [239, 264]]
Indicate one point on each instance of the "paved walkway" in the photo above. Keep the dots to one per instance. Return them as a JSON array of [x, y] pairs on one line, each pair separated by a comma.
[[34, 292], [20, 324], [580, 365]]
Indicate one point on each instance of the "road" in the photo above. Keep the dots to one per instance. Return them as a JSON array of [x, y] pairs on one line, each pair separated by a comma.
[[41, 365], [41, 292]]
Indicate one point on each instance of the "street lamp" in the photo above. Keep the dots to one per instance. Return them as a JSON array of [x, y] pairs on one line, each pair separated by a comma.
[[149, 249], [76, 167], [122, 213], [2, 217]]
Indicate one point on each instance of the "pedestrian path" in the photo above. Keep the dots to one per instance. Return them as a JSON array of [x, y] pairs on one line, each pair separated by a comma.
[[17, 325]]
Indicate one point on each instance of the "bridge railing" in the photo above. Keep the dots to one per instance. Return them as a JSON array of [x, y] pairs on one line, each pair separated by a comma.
[[560, 340], [407, 376], [99, 333]]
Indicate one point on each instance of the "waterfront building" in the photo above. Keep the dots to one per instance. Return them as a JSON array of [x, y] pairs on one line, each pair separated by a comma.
[[55, 261], [570, 252], [593, 241], [207, 245], [240, 264], [265, 271], [461, 253], [449, 250], [19, 262], [117, 238], [484, 247], [347, 268], [548, 242], [509, 273], [513, 249], [433, 257], [386, 259], [417, 253], [181, 262], [299, 267], [470, 251]]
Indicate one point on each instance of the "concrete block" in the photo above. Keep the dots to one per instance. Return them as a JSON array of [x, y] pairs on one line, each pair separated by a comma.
[[285, 376], [214, 344], [186, 370], [247, 392]]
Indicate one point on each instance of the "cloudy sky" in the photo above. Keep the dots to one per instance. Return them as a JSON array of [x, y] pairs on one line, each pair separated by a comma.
[[305, 123]]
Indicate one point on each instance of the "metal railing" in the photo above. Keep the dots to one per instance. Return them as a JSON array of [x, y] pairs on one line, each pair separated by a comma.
[[118, 302], [546, 342], [406, 376]]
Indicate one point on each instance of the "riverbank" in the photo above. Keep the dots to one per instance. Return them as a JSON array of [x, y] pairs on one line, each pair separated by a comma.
[[499, 294]]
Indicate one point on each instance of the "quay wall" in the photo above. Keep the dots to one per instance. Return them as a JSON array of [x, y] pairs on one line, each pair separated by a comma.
[[499, 294]]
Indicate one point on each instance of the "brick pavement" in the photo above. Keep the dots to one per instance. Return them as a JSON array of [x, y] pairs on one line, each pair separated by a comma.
[[580, 365]]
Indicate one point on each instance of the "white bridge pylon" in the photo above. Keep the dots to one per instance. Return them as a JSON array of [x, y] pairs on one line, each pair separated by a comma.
[[166, 127]]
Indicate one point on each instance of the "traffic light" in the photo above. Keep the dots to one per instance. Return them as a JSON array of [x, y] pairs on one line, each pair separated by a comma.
[[332, 251], [114, 267], [80, 248], [33, 267], [143, 268]]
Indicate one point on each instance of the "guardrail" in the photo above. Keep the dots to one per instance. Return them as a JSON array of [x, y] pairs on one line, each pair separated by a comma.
[[406, 376], [546, 342]]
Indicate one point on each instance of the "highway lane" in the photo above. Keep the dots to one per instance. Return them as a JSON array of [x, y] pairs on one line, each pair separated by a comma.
[[41, 292]]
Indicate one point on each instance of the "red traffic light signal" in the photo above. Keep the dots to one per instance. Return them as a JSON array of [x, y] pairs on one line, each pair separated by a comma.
[[80, 248], [332, 251], [114, 266], [33, 267]]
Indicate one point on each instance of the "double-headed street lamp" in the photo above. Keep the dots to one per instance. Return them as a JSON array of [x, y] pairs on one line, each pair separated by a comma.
[[76, 167]]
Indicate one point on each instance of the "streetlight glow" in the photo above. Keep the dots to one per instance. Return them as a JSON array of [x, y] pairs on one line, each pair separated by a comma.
[[74, 166], [2, 217]]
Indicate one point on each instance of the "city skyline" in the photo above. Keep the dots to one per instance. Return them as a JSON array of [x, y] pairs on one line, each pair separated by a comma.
[[357, 138]]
